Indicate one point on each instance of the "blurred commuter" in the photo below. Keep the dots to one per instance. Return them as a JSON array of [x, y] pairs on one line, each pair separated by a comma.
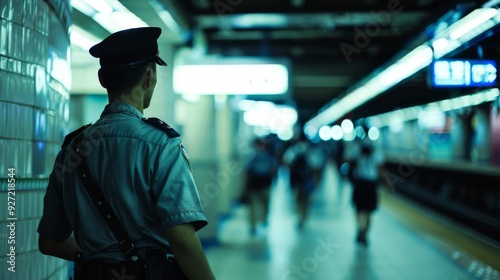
[[305, 163], [261, 171], [336, 153], [367, 167]]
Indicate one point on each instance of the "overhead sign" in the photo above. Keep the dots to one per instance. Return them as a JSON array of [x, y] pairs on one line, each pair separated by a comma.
[[230, 76], [463, 73]]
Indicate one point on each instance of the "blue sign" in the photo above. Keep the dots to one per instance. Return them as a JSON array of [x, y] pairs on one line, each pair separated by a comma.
[[463, 73]]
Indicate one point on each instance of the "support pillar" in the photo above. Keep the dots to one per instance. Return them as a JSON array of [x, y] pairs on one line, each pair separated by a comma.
[[197, 127]]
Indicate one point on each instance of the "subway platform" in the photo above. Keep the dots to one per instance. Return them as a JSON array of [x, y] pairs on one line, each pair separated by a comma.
[[407, 241]]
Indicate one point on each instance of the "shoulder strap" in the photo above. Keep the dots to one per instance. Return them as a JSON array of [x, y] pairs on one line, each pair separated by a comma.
[[126, 246], [73, 134], [162, 125]]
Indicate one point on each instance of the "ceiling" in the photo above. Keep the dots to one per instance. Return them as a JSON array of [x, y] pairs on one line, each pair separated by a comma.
[[331, 44]]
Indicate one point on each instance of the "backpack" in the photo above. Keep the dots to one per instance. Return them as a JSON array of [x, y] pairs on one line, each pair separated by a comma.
[[299, 168], [262, 165]]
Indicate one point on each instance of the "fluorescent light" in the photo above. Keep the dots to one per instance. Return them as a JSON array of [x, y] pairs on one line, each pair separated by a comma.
[[347, 126], [231, 79], [325, 133], [256, 118], [478, 30], [470, 22], [349, 136], [415, 60], [101, 6], [107, 22], [397, 117], [127, 20], [274, 118], [260, 131], [83, 7], [445, 105], [166, 11], [440, 44], [246, 105], [169, 21], [396, 124], [447, 40], [336, 132], [373, 133], [491, 3], [285, 134], [492, 94], [464, 30], [255, 20], [82, 38], [360, 132], [167, 18], [191, 98], [263, 105], [412, 62], [432, 118], [418, 58], [310, 131], [110, 14]]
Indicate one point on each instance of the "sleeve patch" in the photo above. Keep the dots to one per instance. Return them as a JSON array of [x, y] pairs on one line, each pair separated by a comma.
[[184, 154]]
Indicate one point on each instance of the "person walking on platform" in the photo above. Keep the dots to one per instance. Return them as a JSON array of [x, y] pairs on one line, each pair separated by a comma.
[[367, 165], [121, 200], [260, 173], [305, 164]]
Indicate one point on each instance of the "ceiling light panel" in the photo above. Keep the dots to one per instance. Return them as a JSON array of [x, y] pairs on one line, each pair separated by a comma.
[[110, 14]]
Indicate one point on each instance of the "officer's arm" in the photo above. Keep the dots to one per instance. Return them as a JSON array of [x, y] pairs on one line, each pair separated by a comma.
[[188, 252], [64, 250]]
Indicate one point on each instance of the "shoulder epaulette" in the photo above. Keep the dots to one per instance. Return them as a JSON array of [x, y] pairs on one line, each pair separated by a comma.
[[162, 125], [72, 135]]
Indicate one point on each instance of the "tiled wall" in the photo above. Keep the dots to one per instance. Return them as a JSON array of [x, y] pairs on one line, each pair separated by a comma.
[[34, 114]]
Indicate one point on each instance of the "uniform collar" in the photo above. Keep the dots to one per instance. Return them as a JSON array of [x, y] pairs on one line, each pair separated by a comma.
[[120, 107]]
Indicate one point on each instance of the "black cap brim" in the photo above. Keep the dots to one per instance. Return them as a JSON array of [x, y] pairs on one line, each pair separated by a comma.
[[129, 48], [160, 61]]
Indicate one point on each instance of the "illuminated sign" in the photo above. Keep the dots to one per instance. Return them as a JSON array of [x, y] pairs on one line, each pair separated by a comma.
[[463, 73], [231, 79]]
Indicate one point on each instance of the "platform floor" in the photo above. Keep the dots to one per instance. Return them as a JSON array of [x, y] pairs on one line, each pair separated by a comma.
[[406, 241]]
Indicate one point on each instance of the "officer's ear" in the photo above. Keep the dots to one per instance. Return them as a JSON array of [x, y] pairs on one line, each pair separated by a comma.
[[101, 79], [148, 78]]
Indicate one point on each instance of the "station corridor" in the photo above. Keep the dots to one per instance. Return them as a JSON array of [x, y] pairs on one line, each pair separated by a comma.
[[406, 241]]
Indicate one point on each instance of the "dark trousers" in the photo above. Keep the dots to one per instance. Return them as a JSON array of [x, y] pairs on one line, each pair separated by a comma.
[[100, 270]]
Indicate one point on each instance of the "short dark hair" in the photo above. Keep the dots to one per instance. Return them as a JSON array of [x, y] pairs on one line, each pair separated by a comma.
[[119, 80]]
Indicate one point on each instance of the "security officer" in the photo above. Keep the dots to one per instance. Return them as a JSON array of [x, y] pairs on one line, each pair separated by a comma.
[[139, 165]]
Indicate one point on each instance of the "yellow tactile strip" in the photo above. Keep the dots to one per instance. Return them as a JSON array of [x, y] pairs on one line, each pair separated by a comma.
[[477, 254]]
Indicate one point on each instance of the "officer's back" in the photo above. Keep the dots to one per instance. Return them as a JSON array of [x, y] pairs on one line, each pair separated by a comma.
[[140, 168]]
